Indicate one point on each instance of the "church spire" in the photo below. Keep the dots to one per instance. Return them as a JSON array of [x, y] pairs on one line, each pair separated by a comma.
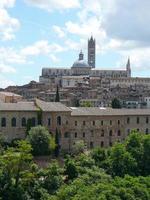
[[128, 68]]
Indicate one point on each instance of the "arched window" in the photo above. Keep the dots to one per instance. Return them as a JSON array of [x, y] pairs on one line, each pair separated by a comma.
[[83, 134], [102, 133], [119, 133], [33, 121], [146, 131], [128, 120], [49, 121], [147, 120], [110, 133], [23, 122], [13, 122], [118, 122], [137, 120], [3, 122], [75, 134], [59, 120]]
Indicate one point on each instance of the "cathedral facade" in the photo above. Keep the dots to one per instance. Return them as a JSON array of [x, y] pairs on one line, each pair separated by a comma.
[[83, 68]]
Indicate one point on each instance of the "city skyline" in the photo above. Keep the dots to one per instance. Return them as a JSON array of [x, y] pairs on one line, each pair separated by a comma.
[[37, 34]]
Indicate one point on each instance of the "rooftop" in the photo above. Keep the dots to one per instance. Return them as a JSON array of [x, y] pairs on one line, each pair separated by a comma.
[[52, 106], [97, 111]]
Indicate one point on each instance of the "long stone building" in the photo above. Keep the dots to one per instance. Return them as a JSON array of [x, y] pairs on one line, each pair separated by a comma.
[[97, 127]]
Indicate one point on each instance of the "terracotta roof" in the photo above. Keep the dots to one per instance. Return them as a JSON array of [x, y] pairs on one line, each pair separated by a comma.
[[52, 106], [19, 106], [96, 111]]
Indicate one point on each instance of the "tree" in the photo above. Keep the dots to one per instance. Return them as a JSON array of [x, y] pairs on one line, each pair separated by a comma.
[[86, 104], [78, 147], [15, 171], [57, 147], [52, 178], [70, 169], [57, 98], [115, 103], [40, 140]]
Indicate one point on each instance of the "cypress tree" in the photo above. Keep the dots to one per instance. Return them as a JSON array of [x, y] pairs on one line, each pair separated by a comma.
[[57, 99], [57, 148]]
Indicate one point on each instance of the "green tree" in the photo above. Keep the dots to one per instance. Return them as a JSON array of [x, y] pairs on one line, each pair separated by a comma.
[[52, 177], [70, 169], [15, 171], [57, 98], [40, 140], [86, 104], [115, 103], [122, 161]]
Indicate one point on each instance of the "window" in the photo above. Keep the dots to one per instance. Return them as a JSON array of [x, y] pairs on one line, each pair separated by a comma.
[[67, 122], [102, 144], [110, 133], [110, 144], [23, 122], [147, 120], [93, 123], [3, 122], [128, 120], [49, 121], [110, 122], [119, 133], [13, 122], [75, 135], [59, 120], [83, 134], [102, 123], [102, 133], [146, 131], [137, 120], [91, 145], [138, 129], [66, 134], [92, 133], [33, 121], [75, 123], [118, 122], [83, 123], [128, 131]]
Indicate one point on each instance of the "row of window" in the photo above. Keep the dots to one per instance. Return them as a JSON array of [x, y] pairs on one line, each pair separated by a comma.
[[24, 122], [67, 135], [118, 122]]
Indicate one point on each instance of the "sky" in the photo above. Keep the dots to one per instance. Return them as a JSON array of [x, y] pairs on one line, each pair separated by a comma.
[[50, 33]]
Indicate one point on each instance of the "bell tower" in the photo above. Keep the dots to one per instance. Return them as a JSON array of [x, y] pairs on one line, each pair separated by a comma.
[[91, 52]]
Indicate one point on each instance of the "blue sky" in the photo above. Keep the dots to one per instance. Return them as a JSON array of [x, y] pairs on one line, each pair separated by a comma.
[[50, 33]]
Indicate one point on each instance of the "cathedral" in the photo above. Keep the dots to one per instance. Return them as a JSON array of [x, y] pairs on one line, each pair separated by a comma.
[[83, 68]]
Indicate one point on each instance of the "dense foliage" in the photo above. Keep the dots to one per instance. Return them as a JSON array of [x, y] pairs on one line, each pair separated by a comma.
[[115, 103], [40, 140], [121, 172]]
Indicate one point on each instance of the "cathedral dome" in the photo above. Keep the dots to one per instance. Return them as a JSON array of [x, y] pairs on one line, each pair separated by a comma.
[[80, 62]]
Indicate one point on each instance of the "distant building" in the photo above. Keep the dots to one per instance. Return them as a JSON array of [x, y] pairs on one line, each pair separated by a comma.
[[9, 97]]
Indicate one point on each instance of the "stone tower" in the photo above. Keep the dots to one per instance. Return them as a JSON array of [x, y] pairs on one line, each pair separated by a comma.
[[91, 52], [128, 68]]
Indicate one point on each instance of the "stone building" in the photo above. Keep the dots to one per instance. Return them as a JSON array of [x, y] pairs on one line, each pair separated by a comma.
[[97, 127]]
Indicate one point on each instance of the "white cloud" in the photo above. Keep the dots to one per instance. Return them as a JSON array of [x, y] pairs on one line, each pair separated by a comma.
[[8, 24], [41, 47], [4, 82], [6, 68], [51, 5], [7, 3], [59, 31]]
